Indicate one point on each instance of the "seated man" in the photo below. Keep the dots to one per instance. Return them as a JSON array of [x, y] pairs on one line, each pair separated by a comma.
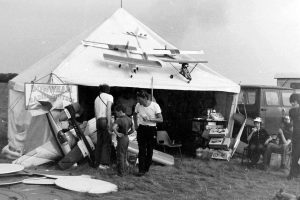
[[258, 139], [185, 72], [284, 136]]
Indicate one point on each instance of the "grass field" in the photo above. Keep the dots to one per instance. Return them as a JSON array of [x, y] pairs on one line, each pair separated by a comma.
[[190, 179]]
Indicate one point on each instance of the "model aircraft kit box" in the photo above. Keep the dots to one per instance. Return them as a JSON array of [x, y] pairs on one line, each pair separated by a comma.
[[218, 132], [219, 143], [222, 154]]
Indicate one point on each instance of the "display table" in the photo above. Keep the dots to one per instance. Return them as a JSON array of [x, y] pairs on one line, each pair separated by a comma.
[[201, 128], [201, 124]]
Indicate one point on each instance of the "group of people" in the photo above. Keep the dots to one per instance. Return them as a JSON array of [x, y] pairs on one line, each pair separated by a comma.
[[144, 119], [288, 136]]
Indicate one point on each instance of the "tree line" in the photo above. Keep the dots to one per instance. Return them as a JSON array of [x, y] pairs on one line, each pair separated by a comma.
[[4, 78]]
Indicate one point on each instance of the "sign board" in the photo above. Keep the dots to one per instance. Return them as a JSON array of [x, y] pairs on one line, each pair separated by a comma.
[[59, 95]]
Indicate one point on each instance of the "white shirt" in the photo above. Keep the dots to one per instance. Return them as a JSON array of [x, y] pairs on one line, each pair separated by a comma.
[[149, 112], [100, 107]]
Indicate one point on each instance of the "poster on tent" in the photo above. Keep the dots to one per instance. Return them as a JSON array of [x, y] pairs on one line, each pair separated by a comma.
[[59, 95]]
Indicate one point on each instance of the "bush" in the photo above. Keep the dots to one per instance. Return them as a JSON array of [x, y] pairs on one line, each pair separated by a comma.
[[4, 78]]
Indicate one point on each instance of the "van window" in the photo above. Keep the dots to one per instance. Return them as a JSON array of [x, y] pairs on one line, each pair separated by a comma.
[[247, 97], [272, 98], [295, 85], [286, 98]]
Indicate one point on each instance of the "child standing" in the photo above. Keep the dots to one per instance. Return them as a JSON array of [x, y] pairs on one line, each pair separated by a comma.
[[122, 127]]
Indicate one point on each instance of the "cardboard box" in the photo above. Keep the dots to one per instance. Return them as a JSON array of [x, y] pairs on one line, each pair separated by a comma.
[[221, 154], [218, 132], [219, 143]]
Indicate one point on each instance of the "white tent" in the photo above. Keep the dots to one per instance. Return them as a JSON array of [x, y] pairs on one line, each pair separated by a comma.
[[86, 66]]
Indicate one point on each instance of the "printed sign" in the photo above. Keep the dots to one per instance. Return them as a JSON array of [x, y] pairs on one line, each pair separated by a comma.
[[59, 95]]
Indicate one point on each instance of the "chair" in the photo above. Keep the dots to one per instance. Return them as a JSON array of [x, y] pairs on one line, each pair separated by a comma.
[[245, 155], [164, 140], [288, 155]]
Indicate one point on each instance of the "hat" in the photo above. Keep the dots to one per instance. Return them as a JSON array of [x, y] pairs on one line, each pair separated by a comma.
[[258, 119]]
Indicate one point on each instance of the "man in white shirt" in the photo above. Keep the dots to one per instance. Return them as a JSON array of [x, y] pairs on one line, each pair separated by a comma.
[[147, 114], [102, 106]]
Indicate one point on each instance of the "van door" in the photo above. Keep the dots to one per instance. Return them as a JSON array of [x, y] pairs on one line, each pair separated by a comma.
[[248, 102], [271, 110], [286, 105]]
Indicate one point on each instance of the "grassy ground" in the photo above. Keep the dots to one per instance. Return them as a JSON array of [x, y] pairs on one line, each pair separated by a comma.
[[190, 179]]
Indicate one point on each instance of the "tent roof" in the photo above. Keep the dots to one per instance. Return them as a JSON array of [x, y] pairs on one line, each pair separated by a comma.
[[86, 65]]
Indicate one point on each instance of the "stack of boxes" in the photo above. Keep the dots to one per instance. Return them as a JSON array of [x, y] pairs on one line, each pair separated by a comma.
[[219, 142], [218, 139]]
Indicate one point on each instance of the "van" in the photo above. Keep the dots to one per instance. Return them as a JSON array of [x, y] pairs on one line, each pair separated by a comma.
[[270, 103]]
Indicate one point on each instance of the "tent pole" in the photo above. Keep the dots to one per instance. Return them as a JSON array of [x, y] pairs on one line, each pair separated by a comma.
[[151, 88]]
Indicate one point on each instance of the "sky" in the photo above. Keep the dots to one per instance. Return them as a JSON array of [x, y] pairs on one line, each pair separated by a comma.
[[246, 41]]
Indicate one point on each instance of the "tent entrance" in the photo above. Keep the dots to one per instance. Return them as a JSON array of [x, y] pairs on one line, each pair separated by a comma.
[[178, 107]]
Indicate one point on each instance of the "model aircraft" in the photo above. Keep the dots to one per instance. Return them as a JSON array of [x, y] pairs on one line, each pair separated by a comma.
[[162, 54], [184, 71], [128, 50]]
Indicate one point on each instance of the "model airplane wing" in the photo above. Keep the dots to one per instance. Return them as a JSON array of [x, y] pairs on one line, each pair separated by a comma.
[[132, 61], [115, 47], [158, 52], [183, 61]]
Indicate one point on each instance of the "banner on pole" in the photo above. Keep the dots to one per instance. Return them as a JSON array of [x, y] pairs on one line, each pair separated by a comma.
[[60, 95]]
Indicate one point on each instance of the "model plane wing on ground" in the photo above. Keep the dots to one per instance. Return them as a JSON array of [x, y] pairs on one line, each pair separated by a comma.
[[132, 61]]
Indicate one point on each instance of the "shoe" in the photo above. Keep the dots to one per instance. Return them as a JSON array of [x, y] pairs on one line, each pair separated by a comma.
[[103, 166], [283, 167], [141, 174], [291, 177], [265, 167]]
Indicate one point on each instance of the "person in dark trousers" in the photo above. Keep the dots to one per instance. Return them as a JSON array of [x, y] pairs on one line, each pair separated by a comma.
[[102, 106], [147, 113], [294, 114], [281, 143], [122, 127], [258, 139]]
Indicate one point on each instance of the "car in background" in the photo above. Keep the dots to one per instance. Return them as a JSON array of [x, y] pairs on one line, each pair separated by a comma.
[[270, 103]]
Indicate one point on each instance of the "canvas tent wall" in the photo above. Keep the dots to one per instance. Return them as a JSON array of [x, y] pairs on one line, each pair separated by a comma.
[[86, 66]]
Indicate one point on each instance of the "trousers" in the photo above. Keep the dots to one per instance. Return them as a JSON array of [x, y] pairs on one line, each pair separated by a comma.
[[103, 146], [146, 141], [295, 168], [122, 147]]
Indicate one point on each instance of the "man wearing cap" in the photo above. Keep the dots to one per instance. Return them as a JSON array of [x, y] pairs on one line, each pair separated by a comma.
[[284, 140], [258, 139]]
